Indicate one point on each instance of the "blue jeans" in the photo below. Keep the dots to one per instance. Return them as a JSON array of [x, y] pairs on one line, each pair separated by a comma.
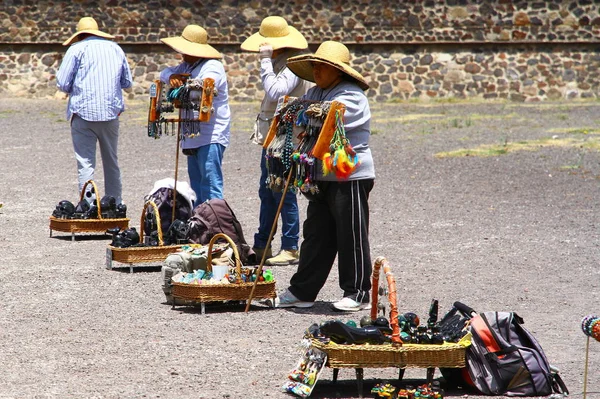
[[206, 175], [269, 202]]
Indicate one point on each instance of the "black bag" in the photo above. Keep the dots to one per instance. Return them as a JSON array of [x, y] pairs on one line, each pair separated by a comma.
[[163, 198], [216, 216], [504, 358]]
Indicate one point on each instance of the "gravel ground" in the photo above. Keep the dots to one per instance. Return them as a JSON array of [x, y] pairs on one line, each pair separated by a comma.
[[517, 231]]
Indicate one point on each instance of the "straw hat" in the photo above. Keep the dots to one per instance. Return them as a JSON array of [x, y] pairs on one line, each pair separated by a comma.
[[276, 32], [193, 42], [87, 25], [332, 53]]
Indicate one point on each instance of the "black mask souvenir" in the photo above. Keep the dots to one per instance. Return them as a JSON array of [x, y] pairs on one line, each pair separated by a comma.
[[64, 210]]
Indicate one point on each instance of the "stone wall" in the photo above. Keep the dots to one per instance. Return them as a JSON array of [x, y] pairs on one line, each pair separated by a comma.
[[520, 50]]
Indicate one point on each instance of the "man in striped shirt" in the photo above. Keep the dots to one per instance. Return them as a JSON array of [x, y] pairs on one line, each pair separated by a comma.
[[93, 73]]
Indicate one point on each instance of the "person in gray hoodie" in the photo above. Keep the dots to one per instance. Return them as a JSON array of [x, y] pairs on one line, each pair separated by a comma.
[[337, 220]]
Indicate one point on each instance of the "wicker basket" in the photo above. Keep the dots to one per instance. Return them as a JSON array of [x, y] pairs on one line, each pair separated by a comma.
[[394, 354], [142, 254], [448, 355], [99, 225], [197, 294]]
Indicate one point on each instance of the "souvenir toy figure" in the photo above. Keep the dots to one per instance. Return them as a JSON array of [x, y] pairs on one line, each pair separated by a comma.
[[436, 336], [91, 213], [177, 233], [64, 210], [412, 319], [121, 210], [108, 207], [304, 376], [125, 238], [384, 390], [422, 336], [81, 209], [433, 313]]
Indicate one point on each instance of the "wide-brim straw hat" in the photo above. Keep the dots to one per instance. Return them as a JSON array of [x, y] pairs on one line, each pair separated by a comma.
[[87, 25], [276, 32], [193, 42], [332, 53]]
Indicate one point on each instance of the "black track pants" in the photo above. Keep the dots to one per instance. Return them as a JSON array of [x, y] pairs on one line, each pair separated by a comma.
[[337, 223]]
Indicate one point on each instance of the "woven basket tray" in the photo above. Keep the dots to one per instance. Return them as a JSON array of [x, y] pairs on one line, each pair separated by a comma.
[[223, 292], [394, 354], [406, 356], [99, 225], [142, 254]]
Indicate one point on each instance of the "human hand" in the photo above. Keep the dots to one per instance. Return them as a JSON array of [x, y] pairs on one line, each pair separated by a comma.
[[176, 80], [265, 50]]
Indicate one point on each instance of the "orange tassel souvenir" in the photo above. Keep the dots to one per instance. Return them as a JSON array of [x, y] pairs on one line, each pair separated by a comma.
[[342, 159], [323, 143]]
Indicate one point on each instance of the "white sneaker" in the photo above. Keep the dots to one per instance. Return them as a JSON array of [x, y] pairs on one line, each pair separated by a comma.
[[288, 300], [348, 304]]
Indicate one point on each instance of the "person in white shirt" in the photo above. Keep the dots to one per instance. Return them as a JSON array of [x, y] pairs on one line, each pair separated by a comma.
[[276, 41]]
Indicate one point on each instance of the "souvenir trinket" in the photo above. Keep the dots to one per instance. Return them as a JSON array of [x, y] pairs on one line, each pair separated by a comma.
[[303, 378], [194, 97]]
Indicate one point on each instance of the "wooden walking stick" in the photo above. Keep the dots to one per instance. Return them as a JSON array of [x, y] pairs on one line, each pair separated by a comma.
[[176, 167], [585, 372], [262, 261]]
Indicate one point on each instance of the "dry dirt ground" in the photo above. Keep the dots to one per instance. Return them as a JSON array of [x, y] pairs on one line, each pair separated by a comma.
[[513, 225]]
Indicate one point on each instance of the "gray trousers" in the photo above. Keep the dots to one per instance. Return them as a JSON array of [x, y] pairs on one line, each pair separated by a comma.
[[85, 134]]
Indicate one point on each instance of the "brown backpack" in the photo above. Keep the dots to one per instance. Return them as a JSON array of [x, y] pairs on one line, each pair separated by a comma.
[[216, 216]]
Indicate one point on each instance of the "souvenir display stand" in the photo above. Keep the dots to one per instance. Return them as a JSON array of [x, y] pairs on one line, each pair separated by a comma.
[[141, 254], [99, 225], [200, 294], [195, 95], [394, 354]]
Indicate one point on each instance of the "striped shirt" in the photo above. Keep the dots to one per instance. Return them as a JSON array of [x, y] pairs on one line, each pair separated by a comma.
[[93, 73]]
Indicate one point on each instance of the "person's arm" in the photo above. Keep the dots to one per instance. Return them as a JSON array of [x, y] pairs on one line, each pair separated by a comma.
[[276, 86], [68, 68], [126, 79], [210, 69], [356, 113], [166, 73]]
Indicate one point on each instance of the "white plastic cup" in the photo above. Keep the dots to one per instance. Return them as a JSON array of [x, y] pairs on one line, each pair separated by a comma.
[[219, 271]]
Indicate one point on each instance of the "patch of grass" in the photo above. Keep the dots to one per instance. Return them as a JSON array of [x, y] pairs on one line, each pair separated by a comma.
[[7, 113], [576, 130], [562, 117], [488, 150], [424, 131], [447, 100], [408, 117], [460, 123]]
